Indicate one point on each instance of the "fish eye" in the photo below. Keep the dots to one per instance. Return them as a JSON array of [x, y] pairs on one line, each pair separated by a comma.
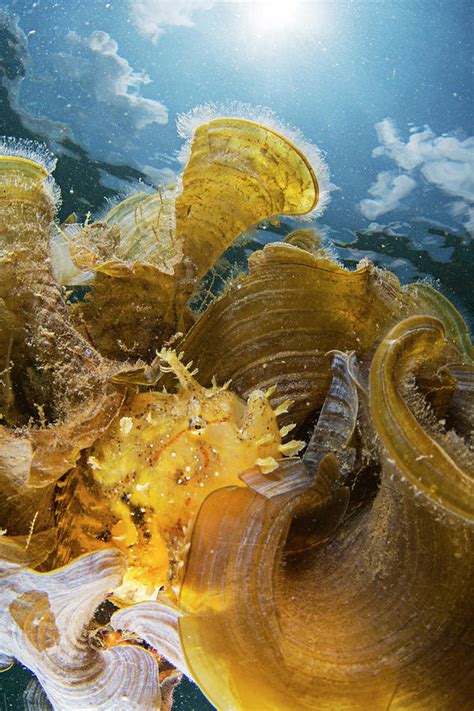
[[197, 424]]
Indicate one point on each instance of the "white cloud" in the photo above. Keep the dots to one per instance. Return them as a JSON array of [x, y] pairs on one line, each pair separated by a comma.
[[86, 93], [423, 145], [464, 210], [150, 17], [388, 191], [92, 89], [96, 66], [453, 177], [445, 162]]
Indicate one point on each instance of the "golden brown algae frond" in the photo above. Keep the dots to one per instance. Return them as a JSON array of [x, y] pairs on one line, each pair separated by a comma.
[[339, 580], [53, 361], [239, 173]]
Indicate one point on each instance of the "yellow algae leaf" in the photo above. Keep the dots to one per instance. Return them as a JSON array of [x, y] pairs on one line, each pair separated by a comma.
[[231, 614], [422, 460], [375, 616], [60, 360], [439, 306], [239, 172], [308, 239], [28, 197], [278, 323], [147, 230], [131, 313], [138, 231], [337, 420], [140, 284]]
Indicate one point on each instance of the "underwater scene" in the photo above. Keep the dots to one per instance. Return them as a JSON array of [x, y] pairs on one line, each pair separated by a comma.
[[236, 362]]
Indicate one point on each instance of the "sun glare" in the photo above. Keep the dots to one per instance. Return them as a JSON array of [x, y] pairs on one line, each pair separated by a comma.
[[275, 31], [271, 17]]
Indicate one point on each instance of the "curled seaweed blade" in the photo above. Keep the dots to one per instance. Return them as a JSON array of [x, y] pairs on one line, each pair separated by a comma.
[[157, 624], [232, 610], [337, 419], [25, 180], [419, 456], [62, 366], [299, 614], [140, 282], [133, 262], [27, 151], [308, 239], [147, 231], [131, 313], [439, 306], [304, 306], [34, 697], [210, 598], [44, 619], [137, 233], [6, 662], [239, 173]]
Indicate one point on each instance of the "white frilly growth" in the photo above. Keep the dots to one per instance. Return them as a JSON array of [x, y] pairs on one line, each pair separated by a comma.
[[31, 150], [188, 123], [53, 189]]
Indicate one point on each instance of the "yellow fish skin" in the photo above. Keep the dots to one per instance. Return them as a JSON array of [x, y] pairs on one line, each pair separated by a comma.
[[163, 455]]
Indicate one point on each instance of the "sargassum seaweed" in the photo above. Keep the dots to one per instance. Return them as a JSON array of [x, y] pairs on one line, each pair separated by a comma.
[[274, 496]]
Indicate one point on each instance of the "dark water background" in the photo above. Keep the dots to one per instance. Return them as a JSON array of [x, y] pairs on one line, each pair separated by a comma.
[[187, 696]]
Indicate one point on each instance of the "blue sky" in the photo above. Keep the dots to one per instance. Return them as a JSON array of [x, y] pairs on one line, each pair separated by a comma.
[[383, 88]]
